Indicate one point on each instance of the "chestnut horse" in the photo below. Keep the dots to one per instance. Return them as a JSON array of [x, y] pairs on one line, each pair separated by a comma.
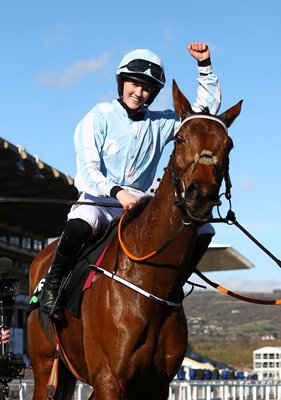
[[126, 345]]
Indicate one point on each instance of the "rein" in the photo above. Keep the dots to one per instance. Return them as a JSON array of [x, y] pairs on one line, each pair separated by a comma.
[[207, 158], [66, 202], [230, 219], [235, 295], [154, 252]]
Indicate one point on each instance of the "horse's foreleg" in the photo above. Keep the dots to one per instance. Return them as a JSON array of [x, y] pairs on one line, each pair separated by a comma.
[[41, 355], [107, 387], [173, 346]]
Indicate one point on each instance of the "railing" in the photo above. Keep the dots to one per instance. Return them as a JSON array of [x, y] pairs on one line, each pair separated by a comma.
[[225, 390], [184, 390]]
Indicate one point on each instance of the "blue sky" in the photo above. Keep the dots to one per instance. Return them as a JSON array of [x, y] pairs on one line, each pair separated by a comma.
[[58, 59]]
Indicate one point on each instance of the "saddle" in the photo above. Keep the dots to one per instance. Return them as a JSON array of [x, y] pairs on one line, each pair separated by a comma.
[[81, 276]]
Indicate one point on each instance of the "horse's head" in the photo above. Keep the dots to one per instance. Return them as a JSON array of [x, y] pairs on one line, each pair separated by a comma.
[[200, 159]]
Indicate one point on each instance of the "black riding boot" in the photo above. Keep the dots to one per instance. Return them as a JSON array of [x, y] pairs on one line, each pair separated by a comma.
[[76, 233]]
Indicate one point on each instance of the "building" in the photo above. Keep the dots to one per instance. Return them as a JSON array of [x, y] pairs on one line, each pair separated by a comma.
[[30, 213], [267, 363]]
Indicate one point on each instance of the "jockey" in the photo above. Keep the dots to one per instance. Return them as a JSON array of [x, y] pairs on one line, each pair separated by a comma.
[[118, 146]]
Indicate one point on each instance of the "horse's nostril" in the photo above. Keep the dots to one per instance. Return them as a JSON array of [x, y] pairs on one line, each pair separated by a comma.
[[213, 195], [197, 192], [192, 191]]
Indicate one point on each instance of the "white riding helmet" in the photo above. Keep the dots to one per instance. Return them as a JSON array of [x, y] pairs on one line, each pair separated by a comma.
[[142, 65]]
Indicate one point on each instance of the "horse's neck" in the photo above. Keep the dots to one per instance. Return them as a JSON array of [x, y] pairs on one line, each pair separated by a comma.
[[160, 221], [163, 205], [160, 224]]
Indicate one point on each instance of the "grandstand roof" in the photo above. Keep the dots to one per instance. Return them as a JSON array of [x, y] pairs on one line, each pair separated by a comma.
[[25, 176], [221, 257]]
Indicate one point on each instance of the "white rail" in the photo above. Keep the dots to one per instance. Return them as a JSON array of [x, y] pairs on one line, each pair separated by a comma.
[[185, 390], [225, 390]]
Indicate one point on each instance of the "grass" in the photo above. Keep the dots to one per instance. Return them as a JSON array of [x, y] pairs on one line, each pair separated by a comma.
[[238, 353]]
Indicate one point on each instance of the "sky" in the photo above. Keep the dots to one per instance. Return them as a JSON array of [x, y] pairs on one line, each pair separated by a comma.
[[58, 59]]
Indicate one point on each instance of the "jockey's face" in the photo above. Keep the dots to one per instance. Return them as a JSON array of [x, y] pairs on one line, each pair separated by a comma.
[[136, 94]]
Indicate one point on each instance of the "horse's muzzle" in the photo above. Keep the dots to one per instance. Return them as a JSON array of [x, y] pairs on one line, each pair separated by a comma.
[[200, 200]]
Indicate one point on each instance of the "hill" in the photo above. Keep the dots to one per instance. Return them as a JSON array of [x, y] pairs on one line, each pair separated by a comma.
[[228, 330]]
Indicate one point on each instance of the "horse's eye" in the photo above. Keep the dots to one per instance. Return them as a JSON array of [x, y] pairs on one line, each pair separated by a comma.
[[179, 139]]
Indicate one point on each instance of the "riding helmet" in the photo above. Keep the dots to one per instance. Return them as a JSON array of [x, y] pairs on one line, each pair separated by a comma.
[[141, 65]]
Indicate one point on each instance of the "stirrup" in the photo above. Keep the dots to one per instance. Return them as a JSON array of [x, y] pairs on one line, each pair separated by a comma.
[[57, 311], [53, 309]]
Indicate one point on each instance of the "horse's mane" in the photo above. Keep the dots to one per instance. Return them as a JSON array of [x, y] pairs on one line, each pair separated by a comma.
[[137, 209]]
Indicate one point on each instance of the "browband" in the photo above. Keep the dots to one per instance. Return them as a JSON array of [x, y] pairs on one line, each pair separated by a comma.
[[199, 116]]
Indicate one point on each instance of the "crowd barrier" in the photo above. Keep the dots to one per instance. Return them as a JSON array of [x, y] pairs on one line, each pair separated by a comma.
[[183, 390]]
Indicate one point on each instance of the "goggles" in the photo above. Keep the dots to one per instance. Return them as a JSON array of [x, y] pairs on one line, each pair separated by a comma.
[[140, 65]]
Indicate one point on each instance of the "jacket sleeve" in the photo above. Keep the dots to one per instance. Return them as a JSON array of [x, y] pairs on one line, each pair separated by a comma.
[[89, 139], [208, 92]]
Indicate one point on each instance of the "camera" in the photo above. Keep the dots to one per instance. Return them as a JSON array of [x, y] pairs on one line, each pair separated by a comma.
[[8, 290], [8, 287], [11, 364]]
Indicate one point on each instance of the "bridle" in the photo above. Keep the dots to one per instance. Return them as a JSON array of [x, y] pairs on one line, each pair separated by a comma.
[[204, 116], [207, 158]]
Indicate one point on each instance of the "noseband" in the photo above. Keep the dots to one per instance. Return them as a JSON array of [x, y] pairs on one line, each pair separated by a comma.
[[207, 158]]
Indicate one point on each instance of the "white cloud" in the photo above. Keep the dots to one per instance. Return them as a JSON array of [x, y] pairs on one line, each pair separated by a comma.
[[56, 34], [71, 75], [169, 35], [245, 186]]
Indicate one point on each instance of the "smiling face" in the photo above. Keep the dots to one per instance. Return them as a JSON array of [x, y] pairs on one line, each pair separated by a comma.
[[136, 94]]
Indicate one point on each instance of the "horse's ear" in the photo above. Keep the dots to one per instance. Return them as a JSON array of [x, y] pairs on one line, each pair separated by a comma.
[[181, 104], [229, 116]]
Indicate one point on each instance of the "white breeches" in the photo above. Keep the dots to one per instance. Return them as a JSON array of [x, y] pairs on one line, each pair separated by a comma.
[[100, 217]]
